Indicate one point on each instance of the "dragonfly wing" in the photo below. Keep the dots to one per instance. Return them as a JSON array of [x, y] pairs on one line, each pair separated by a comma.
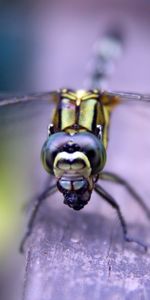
[[129, 96], [23, 130], [128, 152], [11, 100]]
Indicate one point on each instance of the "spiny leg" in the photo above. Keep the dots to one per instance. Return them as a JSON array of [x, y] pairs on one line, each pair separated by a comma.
[[39, 200], [106, 196], [109, 176]]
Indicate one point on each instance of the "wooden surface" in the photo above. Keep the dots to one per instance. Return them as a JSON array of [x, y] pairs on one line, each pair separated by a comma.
[[83, 256]]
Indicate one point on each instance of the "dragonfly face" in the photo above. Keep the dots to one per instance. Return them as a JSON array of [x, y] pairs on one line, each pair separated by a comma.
[[75, 154], [75, 160]]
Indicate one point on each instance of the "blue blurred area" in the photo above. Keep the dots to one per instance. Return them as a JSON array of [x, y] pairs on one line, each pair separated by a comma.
[[16, 46]]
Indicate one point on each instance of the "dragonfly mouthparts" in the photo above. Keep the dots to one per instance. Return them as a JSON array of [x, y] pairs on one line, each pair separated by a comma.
[[76, 200], [76, 191]]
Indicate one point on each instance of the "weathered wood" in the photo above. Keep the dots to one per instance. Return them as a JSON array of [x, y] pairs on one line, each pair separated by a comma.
[[83, 255]]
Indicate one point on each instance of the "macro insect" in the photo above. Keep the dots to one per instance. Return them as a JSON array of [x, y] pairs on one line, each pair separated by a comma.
[[75, 151]]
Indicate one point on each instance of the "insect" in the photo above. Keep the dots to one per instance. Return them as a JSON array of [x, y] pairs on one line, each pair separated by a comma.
[[75, 151]]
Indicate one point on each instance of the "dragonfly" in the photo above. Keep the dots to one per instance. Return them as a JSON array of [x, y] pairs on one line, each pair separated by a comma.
[[75, 151]]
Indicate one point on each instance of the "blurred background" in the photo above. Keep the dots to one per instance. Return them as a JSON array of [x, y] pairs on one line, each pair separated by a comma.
[[46, 45]]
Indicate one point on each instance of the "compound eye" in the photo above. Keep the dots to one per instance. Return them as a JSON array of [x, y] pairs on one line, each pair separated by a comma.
[[51, 148], [96, 156], [94, 149]]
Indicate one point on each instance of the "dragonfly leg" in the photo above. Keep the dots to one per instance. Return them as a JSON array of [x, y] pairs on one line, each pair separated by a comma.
[[109, 176], [39, 200], [107, 197]]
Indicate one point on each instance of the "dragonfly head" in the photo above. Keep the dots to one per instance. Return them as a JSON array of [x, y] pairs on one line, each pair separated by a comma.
[[75, 160]]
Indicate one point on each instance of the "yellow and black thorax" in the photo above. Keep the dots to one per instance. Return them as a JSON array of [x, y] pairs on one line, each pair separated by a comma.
[[83, 111]]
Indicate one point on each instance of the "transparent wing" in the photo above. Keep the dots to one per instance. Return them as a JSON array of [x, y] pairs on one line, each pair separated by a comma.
[[23, 130], [129, 96], [9, 99], [51, 96], [128, 153]]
